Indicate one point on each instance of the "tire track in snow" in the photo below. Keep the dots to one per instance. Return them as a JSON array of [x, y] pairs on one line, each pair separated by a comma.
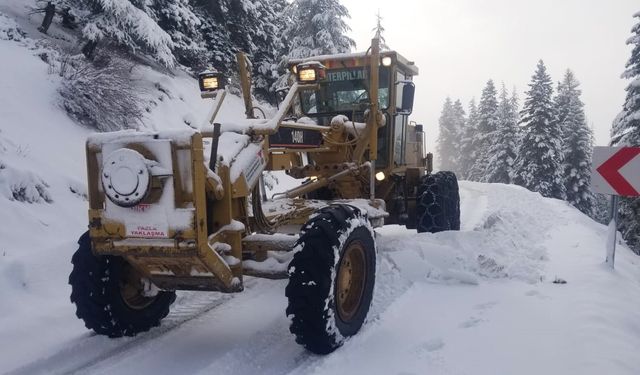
[[271, 346], [90, 350], [246, 336]]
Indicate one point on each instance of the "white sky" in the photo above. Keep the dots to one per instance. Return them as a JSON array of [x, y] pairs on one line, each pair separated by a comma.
[[460, 44]]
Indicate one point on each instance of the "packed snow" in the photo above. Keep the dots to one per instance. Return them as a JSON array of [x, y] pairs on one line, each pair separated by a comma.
[[521, 289]]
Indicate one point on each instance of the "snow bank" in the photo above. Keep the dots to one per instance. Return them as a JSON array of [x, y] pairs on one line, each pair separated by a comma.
[[440, 308], [498, 239]]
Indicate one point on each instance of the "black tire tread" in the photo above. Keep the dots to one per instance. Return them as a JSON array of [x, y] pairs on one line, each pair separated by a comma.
[[99, 305], [314, 263]]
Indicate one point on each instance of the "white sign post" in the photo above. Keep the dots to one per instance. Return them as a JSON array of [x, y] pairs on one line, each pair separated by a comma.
[[613, 231], [616, 171]]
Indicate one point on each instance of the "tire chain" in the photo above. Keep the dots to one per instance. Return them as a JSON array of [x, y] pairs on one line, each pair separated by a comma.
[[438, 207]]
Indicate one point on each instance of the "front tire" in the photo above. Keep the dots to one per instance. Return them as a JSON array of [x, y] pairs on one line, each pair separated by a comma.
[[438, 203], [108, 294], [331, 278]]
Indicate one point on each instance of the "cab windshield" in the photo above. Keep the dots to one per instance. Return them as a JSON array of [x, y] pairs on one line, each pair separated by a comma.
[[345, 90]]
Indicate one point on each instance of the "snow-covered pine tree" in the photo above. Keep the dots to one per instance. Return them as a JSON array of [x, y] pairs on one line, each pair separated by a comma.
[[515, 107], [466, 146], [220, 51], [319, 28], [177, 18], [313, 27], [539, 162], [240, 19], [285, 17], [626, 132], [626, 126], [250, 26], [269, 15], [446, 147], [459, 122], [486, 132], [503, 151], [577, 144], [123, 23], [228, 26], [379, 32]]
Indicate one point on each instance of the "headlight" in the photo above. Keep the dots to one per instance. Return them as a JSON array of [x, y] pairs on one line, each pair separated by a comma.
[[310, 72], [307, 75], [210, 81], [380, 176], [386, 61]]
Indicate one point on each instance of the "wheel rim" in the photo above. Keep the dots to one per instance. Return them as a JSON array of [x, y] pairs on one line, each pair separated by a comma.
[[132, 289], [351, 280]]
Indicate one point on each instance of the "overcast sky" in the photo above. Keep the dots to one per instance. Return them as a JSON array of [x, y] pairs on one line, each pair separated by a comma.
[[460, 44]]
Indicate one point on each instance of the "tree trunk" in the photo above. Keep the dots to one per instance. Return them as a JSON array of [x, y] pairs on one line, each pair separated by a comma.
[[49, 12], [89, 49]]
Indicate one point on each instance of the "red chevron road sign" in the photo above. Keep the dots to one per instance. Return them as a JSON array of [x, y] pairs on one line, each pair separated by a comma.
[[616, 171]]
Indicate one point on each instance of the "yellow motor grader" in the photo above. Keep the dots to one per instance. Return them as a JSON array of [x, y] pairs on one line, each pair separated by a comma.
[[186, 210]]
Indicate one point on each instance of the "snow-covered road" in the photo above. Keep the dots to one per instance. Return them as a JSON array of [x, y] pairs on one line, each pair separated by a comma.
[[479, 301]]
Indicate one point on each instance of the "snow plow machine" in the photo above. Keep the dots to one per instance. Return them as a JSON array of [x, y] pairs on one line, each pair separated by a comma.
[[187, 209]]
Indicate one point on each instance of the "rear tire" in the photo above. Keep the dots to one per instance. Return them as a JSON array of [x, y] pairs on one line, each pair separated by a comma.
[[331, 278], [438, 203], [107, 299]]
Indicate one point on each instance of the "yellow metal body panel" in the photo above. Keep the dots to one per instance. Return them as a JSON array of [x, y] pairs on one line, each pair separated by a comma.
[[184, 255]]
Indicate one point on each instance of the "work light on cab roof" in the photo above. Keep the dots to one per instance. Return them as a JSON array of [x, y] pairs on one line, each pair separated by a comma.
[[310, 72], [210, 81]]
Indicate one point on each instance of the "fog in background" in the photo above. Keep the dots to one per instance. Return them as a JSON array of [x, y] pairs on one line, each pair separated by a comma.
[[460, 44]]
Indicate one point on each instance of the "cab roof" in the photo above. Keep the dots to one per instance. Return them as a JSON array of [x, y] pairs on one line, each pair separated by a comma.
[[349, 60]]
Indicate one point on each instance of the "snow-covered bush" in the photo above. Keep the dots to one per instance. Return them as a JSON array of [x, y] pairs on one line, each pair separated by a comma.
[[23, 186], [100, 95], [9, 29], [18, 184], [79, 189]]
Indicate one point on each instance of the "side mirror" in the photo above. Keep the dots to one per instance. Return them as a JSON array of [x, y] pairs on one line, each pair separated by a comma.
[[408, 90]]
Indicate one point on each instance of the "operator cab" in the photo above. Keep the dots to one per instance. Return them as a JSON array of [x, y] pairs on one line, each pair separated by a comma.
[[343, 89]]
